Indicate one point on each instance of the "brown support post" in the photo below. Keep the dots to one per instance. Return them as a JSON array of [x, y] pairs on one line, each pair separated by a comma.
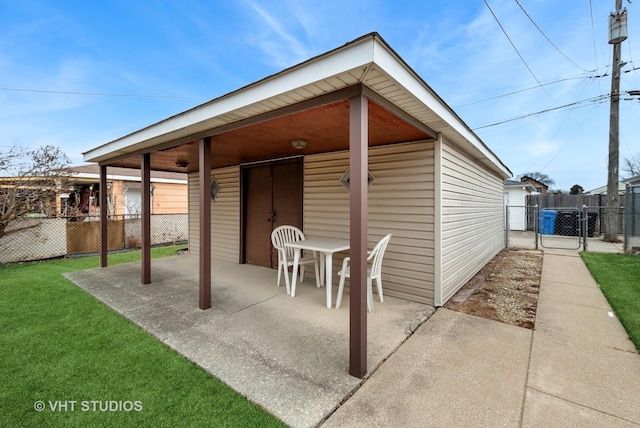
[[204, 192], [104, 208], [358, 214], [146, 218]]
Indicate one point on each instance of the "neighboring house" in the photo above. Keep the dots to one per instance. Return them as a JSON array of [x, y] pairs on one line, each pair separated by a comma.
[[538, 186], [61, 224], [515, 197], [168, 192], [278, 151], [622, 186]]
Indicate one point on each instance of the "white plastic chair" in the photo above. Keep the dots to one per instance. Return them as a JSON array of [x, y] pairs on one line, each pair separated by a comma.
[[374, 272], [282, 235]]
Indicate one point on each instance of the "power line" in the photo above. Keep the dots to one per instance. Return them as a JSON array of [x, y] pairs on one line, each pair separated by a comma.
[[528, 89], [569, 140], [599, 98], [548, 39], [516, 49], [97, 94], [632, 93]]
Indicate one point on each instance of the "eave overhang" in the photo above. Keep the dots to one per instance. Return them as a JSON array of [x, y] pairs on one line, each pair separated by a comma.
[[367, 64]]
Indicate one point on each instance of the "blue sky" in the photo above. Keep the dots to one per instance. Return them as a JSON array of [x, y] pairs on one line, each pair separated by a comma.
[[153, 59]]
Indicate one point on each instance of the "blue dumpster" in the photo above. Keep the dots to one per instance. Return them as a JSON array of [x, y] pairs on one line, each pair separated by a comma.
[[547, 222]]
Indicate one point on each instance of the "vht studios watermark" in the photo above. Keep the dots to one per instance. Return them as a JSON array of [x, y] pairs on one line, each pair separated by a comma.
[[88, 406]]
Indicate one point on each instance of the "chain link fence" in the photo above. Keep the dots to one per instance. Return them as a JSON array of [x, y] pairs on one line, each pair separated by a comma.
[[527, 227], [632, 219], [44, 238], [571, 228]]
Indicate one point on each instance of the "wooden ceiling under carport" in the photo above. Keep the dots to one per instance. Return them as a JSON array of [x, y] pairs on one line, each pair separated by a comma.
[[325, 128]]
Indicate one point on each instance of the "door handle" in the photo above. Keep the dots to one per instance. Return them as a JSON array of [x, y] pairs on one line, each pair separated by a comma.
[[272, 216]]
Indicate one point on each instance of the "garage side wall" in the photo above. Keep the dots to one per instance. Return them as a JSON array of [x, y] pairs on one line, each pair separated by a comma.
[[401, 202], [472, 204], [225, 215]]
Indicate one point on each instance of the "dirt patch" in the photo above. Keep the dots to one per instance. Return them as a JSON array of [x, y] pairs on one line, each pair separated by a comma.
[[505, 290]]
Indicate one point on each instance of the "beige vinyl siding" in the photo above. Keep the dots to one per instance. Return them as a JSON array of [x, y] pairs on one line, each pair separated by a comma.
[[116, 202], [225, 215], [169, 198], [401, 202], [472, 218]]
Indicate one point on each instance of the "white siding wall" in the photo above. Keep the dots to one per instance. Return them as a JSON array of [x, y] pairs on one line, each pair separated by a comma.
[[401, 202], [516, 199], [225, 215], [472, 205]]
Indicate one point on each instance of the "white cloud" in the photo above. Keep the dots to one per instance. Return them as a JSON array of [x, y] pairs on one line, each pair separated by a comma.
[[274, 36]]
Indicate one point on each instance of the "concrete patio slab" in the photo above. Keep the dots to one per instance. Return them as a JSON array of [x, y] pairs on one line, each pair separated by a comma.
[[290, 355]]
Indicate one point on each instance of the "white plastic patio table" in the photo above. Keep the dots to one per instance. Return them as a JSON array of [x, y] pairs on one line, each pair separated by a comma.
[[326, 247]]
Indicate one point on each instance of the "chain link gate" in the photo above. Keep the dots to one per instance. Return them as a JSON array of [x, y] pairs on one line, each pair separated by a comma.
[[532, 227], [560, 228], [574, 228]]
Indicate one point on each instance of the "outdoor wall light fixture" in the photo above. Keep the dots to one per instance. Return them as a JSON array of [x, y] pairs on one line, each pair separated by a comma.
[[298, 143], [182, 164]]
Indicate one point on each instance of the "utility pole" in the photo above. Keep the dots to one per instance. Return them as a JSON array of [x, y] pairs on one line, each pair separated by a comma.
[[617, 34]]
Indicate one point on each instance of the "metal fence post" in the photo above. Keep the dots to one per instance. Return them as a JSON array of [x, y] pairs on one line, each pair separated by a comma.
[[628, 221], [535, 224], [585, 227], [506, 232]]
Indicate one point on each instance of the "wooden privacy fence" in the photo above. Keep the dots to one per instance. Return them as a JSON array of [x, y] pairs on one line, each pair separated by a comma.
[[562, 200], [84, 237]]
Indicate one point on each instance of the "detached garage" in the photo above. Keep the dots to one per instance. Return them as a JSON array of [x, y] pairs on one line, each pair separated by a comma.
[[351, 144]]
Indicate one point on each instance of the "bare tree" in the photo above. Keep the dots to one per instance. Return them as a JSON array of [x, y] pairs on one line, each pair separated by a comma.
[[632, 165], [28, 183], [540, 177]]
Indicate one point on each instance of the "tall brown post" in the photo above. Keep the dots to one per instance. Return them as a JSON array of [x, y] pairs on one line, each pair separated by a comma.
[[146, 218], [104, 235], [358, 214], [204, 192]]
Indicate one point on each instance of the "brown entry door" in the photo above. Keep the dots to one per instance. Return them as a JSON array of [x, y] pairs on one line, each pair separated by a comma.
[[272, 195]]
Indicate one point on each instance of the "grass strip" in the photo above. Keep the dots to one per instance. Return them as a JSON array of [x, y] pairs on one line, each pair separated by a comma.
[[618, 275], [89, 366]]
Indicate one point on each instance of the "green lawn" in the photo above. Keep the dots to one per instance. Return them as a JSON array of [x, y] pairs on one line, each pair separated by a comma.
[[60, 345], [619, 278]]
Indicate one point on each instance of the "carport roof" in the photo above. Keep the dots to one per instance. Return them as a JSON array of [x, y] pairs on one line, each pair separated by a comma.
[[307, 101]]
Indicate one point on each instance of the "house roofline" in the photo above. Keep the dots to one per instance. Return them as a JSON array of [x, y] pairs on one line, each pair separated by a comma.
[[360, 54]]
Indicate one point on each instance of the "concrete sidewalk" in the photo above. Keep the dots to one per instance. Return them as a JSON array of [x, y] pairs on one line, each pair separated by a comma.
[[577, 368]]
